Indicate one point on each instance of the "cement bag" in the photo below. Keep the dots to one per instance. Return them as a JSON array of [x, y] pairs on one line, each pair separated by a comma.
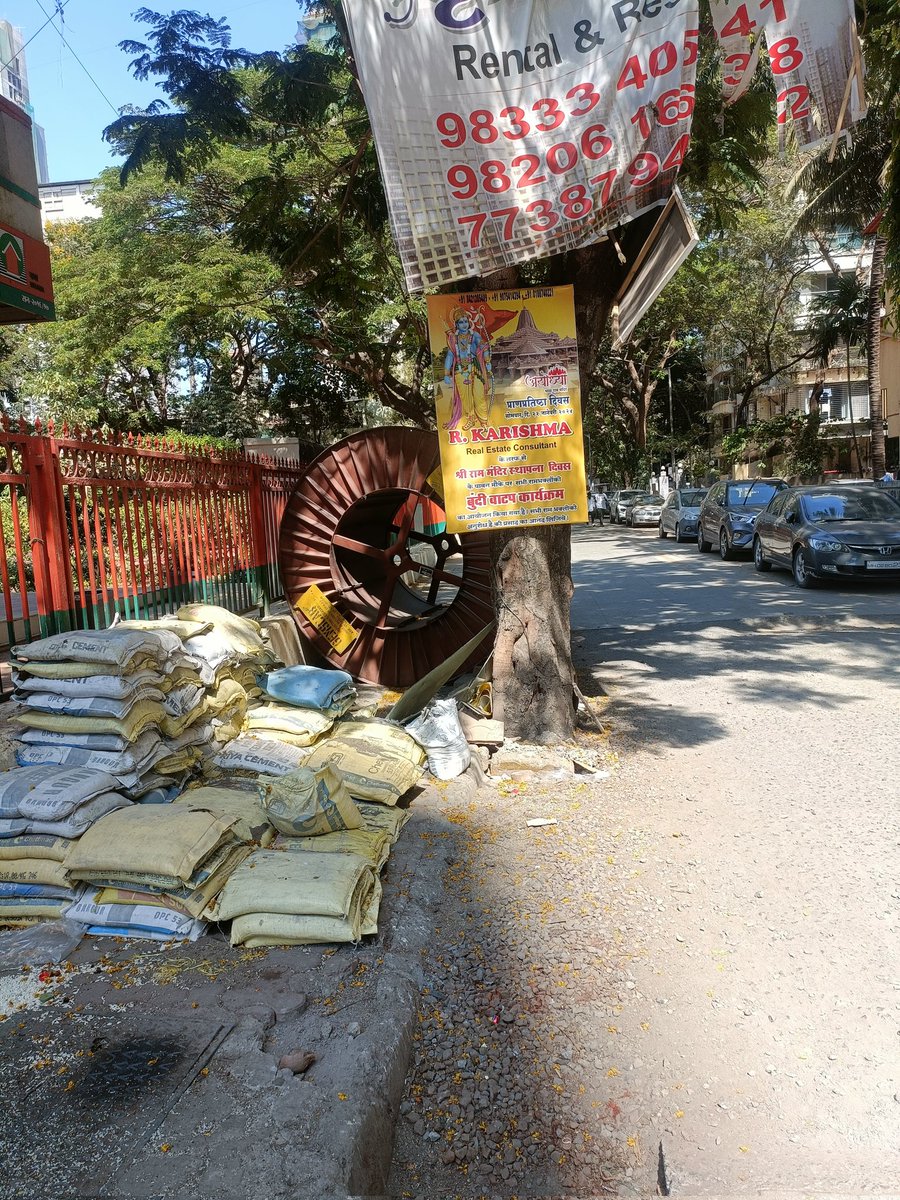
[[13, 910], [145, 715], [55, 671], [83, 817], [160, 840], [89, 706], [331, 692], [194, 895], [251, 820], [50, 793], [232, 639], [374, 845], [43, 871], [369, 772], [307, 803], [114, 687], [123, 765], [181, 629], [253, 756], [183, 699], [370, 918], [387, 820], [303, 883], [438, 731], [34, 845], [26, 890], [388, 735], [86, 741], [178, 762], [301, 726], [136, 918], [115, 648], [283, 929]]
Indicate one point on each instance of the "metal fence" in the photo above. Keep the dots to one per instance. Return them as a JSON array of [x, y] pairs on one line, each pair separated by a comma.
[[92, 525]]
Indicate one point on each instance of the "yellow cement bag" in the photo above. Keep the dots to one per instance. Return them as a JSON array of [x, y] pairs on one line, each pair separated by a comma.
[[390, 820], [182, 760], [374, 845], [33, 870], [181, 629], [78, 670], [48, 909], [307, 803], [194, 895], [173, 726], [251, 820], [34, 845], [370, 920], [115, 895], [226, 695], [146, 714], [386, 735], [157, 839], [370, 772], [282, 929], [301, 726], [221, 618], [304, 883]]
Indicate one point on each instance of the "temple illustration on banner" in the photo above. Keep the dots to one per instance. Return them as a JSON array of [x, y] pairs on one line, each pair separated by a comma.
[[530, 351]]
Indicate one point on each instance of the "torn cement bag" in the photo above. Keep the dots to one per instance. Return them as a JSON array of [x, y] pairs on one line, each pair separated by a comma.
[[304, 883], [370, 772], [307, 803], [148, 839], [376, 816], [439, 732], [387, 735], [251, 820]]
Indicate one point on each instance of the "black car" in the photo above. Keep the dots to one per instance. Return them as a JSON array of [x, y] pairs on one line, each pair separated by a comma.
[[829, 532], [729, 512]]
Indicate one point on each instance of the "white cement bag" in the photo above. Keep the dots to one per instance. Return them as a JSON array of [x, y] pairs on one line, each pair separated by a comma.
[[438, 731], [83, 817], [89, 705], [112, 646], [50, 793], [137, 918], [255, 756], [115, 687]]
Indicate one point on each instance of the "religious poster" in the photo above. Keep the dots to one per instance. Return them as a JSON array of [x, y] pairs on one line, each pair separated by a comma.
[[509, 130], [508, 404], [814, 57]]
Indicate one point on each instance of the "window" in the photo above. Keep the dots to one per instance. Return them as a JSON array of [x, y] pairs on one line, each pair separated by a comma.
[[776, 508], [834, 405]]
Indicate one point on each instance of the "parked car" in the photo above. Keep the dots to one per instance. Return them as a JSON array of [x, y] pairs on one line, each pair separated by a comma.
[[829, 531], [680, 513], [643, 509], [618, 500], [729, 511]]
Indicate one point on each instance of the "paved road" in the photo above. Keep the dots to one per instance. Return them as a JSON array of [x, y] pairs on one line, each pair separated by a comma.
[[627, 577], [759, 788]]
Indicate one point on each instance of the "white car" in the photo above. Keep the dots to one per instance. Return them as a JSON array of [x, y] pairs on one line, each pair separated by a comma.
[[645, 510]]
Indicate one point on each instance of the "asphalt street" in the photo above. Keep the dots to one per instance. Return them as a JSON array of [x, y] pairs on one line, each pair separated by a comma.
[[759, 779]]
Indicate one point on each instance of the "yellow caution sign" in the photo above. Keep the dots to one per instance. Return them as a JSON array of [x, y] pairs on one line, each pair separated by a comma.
[[321, 613]]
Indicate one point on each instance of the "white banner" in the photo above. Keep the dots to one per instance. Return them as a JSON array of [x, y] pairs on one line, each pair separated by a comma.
[[813, 52], [509, 130]]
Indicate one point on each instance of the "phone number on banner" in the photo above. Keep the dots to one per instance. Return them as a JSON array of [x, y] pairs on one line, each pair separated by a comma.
[[785, 56]]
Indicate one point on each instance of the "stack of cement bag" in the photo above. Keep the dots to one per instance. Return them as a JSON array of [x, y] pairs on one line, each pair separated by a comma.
[[98, 698], [43, 811], [150, 872]]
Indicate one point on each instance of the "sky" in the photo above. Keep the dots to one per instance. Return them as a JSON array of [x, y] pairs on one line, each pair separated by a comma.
[[71, 108]]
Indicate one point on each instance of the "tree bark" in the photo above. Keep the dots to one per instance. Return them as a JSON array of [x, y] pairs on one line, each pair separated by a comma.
[[873, 339]]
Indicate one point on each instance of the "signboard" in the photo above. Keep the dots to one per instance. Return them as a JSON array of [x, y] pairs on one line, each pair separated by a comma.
[[509, 130], [322, 615], [814, 57], [508, 408], [26, 290]]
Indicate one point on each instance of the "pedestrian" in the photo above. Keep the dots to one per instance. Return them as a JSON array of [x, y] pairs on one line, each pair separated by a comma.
[[603, 508], [887, 477], [594, 508]]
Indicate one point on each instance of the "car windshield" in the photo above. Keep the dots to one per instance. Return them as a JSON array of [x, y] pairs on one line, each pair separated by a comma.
[[860, 504], [692, 499], [753, 491], [647, 498]]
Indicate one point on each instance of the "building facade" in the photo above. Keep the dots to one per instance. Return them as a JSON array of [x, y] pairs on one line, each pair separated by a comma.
[[72, 200], [14, 87]]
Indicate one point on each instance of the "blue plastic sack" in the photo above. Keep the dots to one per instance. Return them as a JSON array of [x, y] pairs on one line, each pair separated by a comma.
[[311, 687]]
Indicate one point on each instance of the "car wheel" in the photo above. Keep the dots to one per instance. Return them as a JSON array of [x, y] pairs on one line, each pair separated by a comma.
[[759, 560], [662, 532], [678, 537], [702, 544], [802, 576], [725, 551]]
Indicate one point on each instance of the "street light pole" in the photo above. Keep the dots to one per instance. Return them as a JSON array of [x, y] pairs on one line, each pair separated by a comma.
[[672, 431]]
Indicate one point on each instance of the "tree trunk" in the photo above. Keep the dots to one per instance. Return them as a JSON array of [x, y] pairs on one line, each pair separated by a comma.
[[533, 672], [859, 465], [534, 676], [873, 347]]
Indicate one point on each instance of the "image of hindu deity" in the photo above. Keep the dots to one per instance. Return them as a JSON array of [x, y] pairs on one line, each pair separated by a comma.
[[468, 371]]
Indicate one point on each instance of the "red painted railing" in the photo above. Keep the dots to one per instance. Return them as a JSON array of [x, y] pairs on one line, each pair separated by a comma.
[[95, 524]]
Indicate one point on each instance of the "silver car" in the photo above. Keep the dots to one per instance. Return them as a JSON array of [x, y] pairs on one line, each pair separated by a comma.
[[681, 514], [644, 510]]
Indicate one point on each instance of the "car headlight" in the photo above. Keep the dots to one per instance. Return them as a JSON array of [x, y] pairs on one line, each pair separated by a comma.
[[743, 521], [824, 543]]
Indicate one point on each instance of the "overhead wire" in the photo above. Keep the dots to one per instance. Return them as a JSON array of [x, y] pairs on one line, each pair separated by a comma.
[[59, 8], [58, 11]]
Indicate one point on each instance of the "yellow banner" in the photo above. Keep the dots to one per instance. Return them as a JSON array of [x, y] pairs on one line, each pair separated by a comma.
[[321, 613], [508, 408]]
